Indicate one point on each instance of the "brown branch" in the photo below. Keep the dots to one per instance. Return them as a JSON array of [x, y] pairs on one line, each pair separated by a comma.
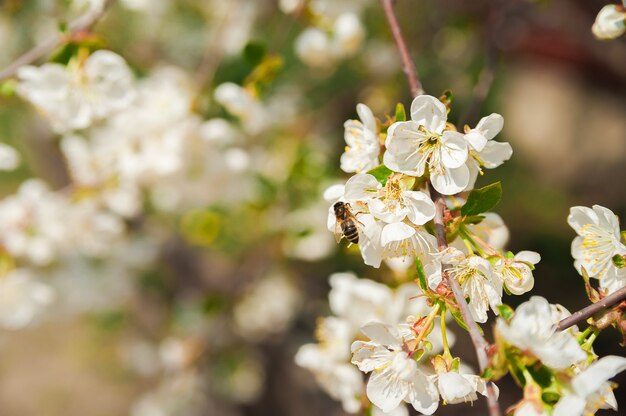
[[594, 308], [480, 344], [84, 22], [407, 63]]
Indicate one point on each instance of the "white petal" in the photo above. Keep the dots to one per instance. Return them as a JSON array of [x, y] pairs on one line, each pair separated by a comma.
[[570, 405], [453, 182], [361, 186], [396, 232], [476, 140], [424, 395], [453, 149], [384, 394], [366, 116], [382, 334], [334, 192], [491, 125], [421, 207], [580, 216], [528, 257], [429, 112], [454, 388], [592, 378], [495, 153]]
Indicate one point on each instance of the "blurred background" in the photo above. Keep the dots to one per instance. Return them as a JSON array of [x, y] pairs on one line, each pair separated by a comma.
[[201, 299]]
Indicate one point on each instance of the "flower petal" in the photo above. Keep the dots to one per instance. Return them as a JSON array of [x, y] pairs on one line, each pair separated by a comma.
[[453, 149], [429, 112], [421, 207], [452, 182]]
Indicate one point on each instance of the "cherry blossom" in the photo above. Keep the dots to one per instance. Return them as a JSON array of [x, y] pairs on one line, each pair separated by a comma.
[[597, 242], [423, 145], [362, 142], [532, 329]]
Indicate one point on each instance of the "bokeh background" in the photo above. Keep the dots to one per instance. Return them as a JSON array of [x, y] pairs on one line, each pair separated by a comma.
[[209, 322]]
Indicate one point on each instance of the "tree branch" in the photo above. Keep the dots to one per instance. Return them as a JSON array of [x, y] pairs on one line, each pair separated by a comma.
[[594, 308], [480, 344], [84, 22], [407, 63]]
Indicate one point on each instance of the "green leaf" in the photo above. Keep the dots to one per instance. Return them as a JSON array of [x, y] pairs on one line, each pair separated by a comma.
[[487, 374], [550, 398], [473, 219], [400, 112], [542, 375], [421, 276], [506, 312], [254, 52], [482, 200], [7, 88], [381, 173], [619, 261], [459, 320]]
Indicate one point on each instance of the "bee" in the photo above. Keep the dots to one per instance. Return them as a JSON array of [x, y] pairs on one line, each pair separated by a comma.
[[346, 225]]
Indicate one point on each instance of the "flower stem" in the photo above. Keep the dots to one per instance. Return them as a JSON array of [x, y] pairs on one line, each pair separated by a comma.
[[444, 336]]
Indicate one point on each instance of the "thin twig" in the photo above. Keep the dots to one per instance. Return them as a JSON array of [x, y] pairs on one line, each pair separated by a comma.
[[408, 66], [480, 344], [84, 22], [594, 308]]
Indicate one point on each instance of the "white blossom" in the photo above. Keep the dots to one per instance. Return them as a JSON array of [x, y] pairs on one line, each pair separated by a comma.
[[319, 48], [242, 103], [255, 317], [597, 242], [423, 145], [610, 22], [22, 298], [362, 142], [396, 376], [516, 273], [532, 329], [328, 361], [9, 157], [456, 387], [590, 390], [76, 96], [483, 150]]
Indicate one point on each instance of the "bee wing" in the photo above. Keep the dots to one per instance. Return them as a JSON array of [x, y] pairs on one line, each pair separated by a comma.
[[338, 232]]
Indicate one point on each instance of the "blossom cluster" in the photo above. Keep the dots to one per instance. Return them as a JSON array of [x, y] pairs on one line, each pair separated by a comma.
[[391, 206]]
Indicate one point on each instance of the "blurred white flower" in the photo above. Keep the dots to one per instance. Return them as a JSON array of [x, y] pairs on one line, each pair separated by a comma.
[[33, 223], [597, 242], [319, 48], [76, 96], [256, 317], [242, 103], [421, 143], [361, 137], [9, 157], [610, 22], [532, 329], [589, 388], [181, 394], [22, 298], [329, 362]]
